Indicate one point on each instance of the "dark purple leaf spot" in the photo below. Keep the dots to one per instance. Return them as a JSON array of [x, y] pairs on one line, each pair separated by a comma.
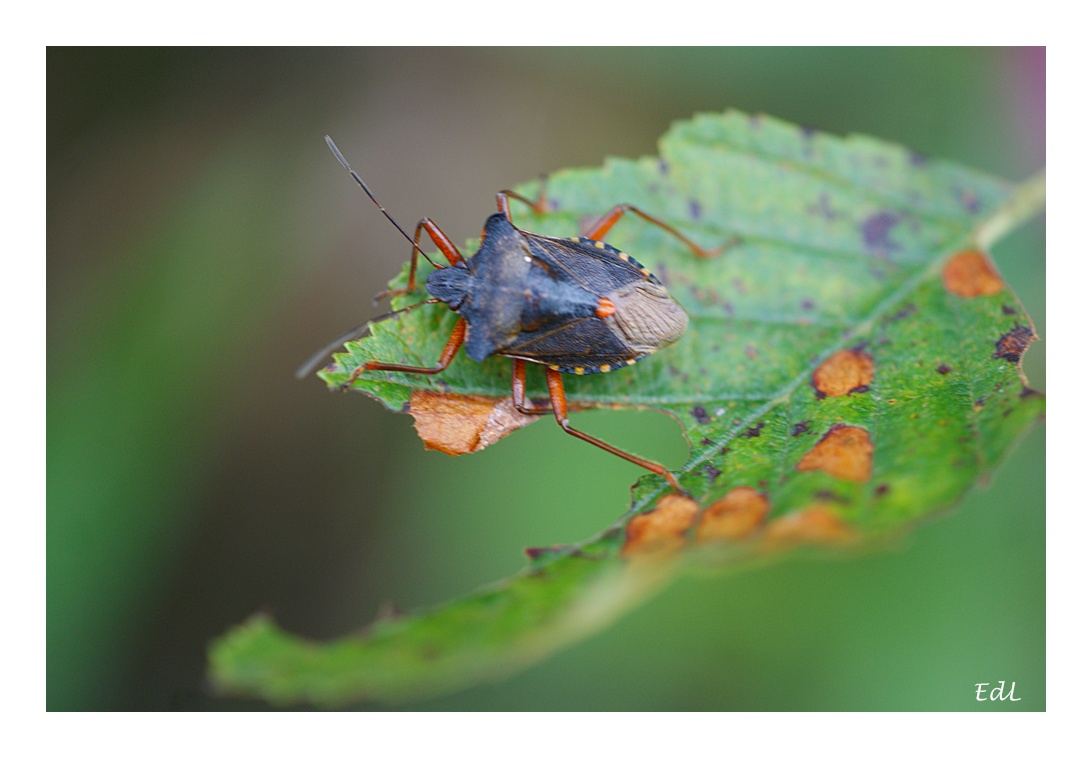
[[968, 199], [756, 430], [943, 368], [700, 414], [905, 311], [876, 233]]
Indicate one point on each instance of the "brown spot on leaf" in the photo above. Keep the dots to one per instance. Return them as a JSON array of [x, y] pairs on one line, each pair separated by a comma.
[[970, 274], [661, 530], [844, 372], [814, 524], [459, 424], [700, 414], [733, 517], [844, 452], [1012, 344], [943, 368]]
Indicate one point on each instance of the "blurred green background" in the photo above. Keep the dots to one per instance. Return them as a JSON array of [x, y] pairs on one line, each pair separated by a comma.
[[202, 242]]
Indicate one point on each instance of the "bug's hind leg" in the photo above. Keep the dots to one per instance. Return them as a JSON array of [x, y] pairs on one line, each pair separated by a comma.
[[561, 413], [454, 342], [605, 224]]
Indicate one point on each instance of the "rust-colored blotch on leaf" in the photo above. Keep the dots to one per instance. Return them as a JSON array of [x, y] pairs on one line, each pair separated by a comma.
[[842, 373], [460, 424], [735, 516], [814, 524], [844, 452], [970, 274], [661, 530]]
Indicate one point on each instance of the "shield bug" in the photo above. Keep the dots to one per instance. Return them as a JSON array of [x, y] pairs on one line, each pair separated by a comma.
[[575, 305]]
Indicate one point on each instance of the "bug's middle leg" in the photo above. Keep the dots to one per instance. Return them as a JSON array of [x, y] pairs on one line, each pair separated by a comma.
[[561, 413], [519, 390], [538, 205], [607, 222], [454, 342]]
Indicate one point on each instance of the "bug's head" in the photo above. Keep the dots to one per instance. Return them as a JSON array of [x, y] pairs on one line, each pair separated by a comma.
[[449, 284]]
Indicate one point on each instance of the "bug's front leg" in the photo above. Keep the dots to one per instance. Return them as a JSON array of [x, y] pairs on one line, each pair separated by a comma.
[[454, 342], [561, 413], [443, 244]]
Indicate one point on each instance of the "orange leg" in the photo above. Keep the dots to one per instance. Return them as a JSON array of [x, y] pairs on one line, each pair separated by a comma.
[[443, 244], [454, 342], [561, 413], [604, 225], [538, 206], [519, 390]]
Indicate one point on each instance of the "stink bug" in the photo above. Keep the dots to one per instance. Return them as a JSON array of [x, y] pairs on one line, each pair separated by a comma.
[[575, 305]]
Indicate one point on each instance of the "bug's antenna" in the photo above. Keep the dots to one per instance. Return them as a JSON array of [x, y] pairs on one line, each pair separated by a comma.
[[355, 333], [345, 163]]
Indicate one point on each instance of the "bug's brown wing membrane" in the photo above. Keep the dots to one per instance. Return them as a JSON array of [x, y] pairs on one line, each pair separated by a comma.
[[646, 316]]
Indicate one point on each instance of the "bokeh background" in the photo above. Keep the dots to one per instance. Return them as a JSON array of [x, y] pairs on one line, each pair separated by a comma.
[[202, 242]]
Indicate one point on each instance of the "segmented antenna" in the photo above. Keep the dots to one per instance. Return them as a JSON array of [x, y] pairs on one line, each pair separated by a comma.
[[345, 163]]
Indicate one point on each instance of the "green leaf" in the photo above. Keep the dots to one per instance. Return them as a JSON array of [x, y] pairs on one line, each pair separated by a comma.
[[852, 366]]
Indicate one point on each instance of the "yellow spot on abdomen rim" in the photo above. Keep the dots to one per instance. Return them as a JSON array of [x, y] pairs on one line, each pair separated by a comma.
[[578, 370]]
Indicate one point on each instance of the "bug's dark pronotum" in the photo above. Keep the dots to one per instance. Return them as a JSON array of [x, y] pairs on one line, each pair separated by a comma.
[[575, 305]]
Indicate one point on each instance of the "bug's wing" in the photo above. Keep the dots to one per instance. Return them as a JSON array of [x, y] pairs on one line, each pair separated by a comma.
[[595, 266], [587, 344]]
